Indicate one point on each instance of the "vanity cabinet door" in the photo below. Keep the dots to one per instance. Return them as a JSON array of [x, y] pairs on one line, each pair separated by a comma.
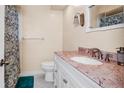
[[65, 83], [57, 75], [60, 76], [66, 79]]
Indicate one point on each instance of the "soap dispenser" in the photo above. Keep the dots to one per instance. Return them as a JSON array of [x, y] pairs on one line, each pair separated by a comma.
[[120, 56]]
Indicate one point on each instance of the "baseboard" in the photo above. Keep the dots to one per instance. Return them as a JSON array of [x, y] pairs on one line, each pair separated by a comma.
[[31, 73]]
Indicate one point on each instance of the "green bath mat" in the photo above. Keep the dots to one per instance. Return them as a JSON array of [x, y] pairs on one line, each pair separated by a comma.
[[25, 82]]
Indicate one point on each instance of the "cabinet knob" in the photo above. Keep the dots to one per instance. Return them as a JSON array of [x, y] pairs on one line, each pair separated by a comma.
[[55, 86], [65, 81], [56, 71]]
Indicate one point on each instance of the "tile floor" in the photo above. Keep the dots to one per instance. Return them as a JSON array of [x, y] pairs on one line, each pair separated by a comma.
[[39, 82]]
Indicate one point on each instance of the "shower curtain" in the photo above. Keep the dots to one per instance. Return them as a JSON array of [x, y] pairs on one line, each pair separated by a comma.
[[12, 70]]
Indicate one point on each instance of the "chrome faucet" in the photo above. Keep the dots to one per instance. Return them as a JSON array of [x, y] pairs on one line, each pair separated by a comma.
[[95, 52]]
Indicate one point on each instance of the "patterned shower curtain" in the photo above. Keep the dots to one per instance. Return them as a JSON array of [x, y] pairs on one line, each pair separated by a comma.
[[12, 70]]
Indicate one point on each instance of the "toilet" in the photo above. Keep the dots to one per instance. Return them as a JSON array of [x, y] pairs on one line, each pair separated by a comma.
[[48, 68]]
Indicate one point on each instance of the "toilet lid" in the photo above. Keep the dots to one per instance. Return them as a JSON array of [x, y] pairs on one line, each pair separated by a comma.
[[48, 64]]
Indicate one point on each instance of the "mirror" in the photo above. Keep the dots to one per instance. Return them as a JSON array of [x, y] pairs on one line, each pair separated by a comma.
[[106, 15]]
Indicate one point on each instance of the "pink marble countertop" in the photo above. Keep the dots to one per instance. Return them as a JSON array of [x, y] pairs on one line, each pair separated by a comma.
[[107, 75]]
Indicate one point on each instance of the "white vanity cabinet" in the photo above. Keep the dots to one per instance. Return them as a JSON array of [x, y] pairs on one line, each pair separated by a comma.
[[66, 76], [61, 77]]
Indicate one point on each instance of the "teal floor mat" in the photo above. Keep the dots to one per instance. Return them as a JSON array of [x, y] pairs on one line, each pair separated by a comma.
[[25, 82]]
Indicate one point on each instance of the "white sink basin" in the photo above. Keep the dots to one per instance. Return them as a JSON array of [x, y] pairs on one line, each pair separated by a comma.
[[85, 60]]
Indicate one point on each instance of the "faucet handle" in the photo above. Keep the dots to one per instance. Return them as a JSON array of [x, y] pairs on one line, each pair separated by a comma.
[[108, 56], [101, 56]]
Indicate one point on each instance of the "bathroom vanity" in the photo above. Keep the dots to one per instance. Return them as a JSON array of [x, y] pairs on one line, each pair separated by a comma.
[[65, 76], [70, 74]]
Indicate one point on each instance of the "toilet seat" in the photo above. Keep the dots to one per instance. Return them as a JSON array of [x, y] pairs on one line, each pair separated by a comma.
[[48, 66]]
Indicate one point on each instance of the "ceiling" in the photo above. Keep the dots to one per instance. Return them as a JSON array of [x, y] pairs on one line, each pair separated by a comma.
[[58, 7]]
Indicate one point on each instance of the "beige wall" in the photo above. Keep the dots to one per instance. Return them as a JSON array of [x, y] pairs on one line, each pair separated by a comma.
[[40, 22], [76, 36]]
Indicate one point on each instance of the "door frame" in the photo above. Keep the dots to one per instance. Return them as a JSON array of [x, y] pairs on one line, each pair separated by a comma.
[[2, 30]]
